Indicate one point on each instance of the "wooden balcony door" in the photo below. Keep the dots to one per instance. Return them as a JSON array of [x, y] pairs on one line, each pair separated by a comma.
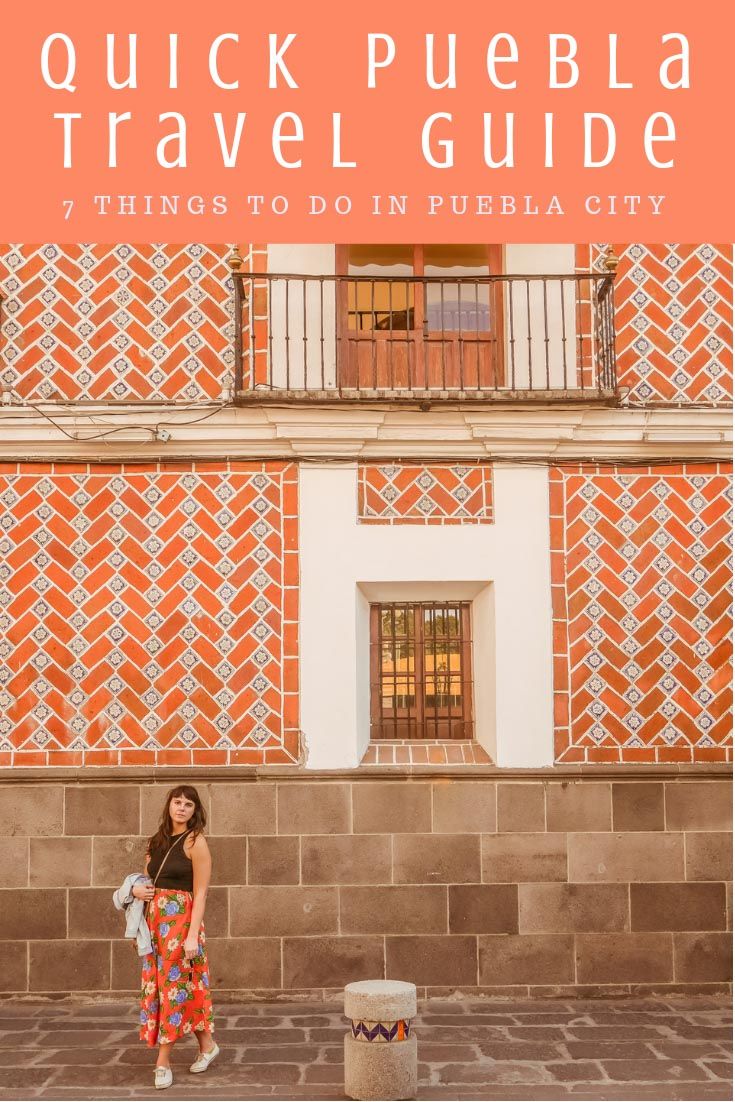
[[400, 331]]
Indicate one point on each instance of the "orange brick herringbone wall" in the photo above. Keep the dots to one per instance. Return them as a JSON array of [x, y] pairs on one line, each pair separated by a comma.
[[424, 493], [138, 322], [673, 318], [148, 614], [116, 322], [641, 596]]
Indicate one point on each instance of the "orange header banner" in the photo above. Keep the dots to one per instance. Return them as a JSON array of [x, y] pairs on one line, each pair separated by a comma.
[[576, 121]]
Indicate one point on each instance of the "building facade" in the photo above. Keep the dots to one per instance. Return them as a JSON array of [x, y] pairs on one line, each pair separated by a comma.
[[417, 560]]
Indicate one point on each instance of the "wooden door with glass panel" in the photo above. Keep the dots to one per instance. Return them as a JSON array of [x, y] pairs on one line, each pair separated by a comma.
[[420, 671], [420, 317]]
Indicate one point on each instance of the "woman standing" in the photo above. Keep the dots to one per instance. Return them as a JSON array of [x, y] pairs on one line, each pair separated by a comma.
[[176, 998]]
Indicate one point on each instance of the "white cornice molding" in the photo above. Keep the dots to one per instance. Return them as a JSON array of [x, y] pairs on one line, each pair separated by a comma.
[[555, 433]]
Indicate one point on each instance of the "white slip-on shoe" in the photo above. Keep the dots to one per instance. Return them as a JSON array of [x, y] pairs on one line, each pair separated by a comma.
[[163, 1078], [204, 1059]]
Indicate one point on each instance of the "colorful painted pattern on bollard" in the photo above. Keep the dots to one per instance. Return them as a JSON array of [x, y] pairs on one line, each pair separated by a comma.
[[382, 1031]]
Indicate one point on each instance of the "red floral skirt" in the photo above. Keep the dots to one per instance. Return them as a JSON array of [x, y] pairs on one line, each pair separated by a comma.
[[175, 999]]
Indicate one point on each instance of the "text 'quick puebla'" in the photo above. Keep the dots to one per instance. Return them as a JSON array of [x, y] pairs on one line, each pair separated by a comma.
[[295, 135]]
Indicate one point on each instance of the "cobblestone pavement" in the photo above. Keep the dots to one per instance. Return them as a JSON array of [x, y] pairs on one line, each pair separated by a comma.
[[491, 1049]]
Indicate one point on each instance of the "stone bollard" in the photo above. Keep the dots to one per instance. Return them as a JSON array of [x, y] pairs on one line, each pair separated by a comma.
[[380, 1050]]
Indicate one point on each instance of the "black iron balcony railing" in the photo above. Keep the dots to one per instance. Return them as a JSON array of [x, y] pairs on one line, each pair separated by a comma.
[[425, 338]]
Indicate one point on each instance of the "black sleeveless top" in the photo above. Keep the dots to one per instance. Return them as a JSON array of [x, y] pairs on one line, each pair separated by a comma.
[[178, 872]]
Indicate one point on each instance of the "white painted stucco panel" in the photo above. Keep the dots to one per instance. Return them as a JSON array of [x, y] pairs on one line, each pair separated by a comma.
[[503, 567]]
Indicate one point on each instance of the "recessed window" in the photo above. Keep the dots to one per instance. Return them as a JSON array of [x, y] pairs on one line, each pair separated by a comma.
[[421, 671]]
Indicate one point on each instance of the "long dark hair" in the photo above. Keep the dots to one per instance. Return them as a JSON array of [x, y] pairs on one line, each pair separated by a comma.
[[196, 824]]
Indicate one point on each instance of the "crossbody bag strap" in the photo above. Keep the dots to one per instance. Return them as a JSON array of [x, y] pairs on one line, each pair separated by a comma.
[[166, 856], [146, 906]]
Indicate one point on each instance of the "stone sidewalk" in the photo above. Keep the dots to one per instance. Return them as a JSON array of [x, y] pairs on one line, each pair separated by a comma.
[[649, 1048]]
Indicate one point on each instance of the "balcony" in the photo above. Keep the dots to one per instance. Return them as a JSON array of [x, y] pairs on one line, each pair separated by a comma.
[[419, 339]]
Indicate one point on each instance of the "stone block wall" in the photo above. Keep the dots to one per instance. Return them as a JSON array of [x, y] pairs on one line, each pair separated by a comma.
[[609, 882]]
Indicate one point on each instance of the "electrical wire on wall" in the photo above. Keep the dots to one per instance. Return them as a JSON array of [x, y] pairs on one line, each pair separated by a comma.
[[159, 431], [14, 408]]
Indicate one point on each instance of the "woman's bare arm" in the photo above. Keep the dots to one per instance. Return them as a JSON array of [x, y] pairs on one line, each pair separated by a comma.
[[144, 891], [202, 866]]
